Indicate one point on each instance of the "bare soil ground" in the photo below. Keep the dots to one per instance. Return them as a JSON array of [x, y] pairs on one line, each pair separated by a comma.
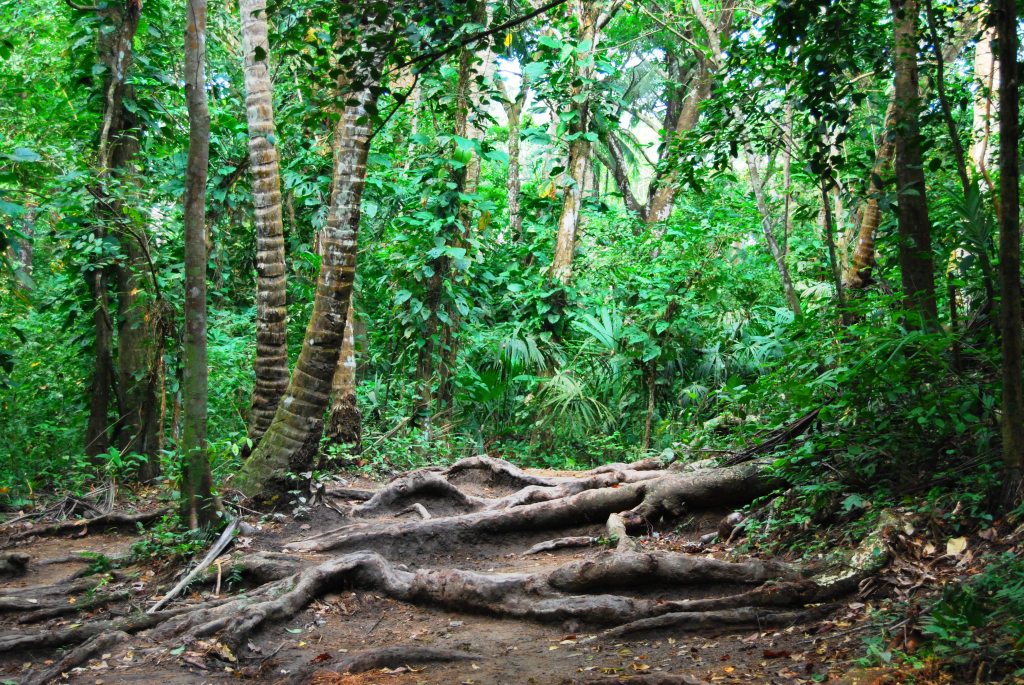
[[446, 599]]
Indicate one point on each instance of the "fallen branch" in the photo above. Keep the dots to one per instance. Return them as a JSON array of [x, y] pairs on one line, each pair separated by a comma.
[[113, 519], [218, 548]]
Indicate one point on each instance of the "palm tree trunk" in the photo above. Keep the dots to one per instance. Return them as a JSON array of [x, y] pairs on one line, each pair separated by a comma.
[[345, 424], [290, 444], [271, 317]]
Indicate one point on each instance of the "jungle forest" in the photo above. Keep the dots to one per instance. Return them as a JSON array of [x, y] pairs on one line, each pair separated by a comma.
[[511, 341]]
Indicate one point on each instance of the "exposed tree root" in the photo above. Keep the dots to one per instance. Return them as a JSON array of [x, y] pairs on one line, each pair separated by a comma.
[[646, 499], [610, 589], [63, 608], [135, 623], [745, 617], [97, 644], [562, 543], [410, 487], [645, 679], [111, 520], [13, 563], [400, 655]]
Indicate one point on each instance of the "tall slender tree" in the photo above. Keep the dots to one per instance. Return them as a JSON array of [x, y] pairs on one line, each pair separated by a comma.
[[271, 317], [589, 19], [196, 482], [1005, 14], [915, 248]]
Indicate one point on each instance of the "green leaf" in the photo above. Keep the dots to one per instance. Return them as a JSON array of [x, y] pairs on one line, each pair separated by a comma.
[[23, 154], [294, 631]]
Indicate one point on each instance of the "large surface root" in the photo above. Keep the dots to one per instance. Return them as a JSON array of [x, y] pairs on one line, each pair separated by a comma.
[[624, 591], [669, 494]]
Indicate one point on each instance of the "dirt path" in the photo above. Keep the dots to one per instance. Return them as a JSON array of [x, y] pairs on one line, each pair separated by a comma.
[[413, 590]]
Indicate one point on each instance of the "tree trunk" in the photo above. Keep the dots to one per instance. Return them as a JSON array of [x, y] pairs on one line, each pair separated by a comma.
[[859, 274], [915, 249], [757, 185], [139, 343], [986, 78], [271, 317], [663, 189], [290, 444], [1009, 253], [345, 425], [139, 347], [947, 111], [196, 481], [514, 111], [439, 336], [586, 13], [467, 182], [97, 439]]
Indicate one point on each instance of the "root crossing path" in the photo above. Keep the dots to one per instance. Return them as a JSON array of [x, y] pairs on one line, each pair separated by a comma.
[[479, 573]]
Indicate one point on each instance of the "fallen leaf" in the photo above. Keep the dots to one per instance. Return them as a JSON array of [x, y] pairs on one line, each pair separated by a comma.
[[956, 546]]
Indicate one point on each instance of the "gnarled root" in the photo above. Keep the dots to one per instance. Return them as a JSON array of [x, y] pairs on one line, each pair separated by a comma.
[[112, 520], [644, 499], [97, 644]]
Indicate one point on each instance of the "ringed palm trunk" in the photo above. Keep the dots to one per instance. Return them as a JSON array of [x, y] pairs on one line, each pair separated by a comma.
[[858, 276], [291, 443], [271, 317], [345, 424]]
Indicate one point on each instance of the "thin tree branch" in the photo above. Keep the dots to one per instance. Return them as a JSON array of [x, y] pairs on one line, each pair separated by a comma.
[[84, 8], [431, 57]]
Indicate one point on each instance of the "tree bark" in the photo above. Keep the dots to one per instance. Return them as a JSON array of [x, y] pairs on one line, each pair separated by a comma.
[[196, 481], [290, 444], [1009, 253], [345, 425], [767, 225], [663, 189], [271, 364], [986, 77], [514, 112], [139, 342], [915, 249], [859, 274], [97, 438], [587, 14]]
